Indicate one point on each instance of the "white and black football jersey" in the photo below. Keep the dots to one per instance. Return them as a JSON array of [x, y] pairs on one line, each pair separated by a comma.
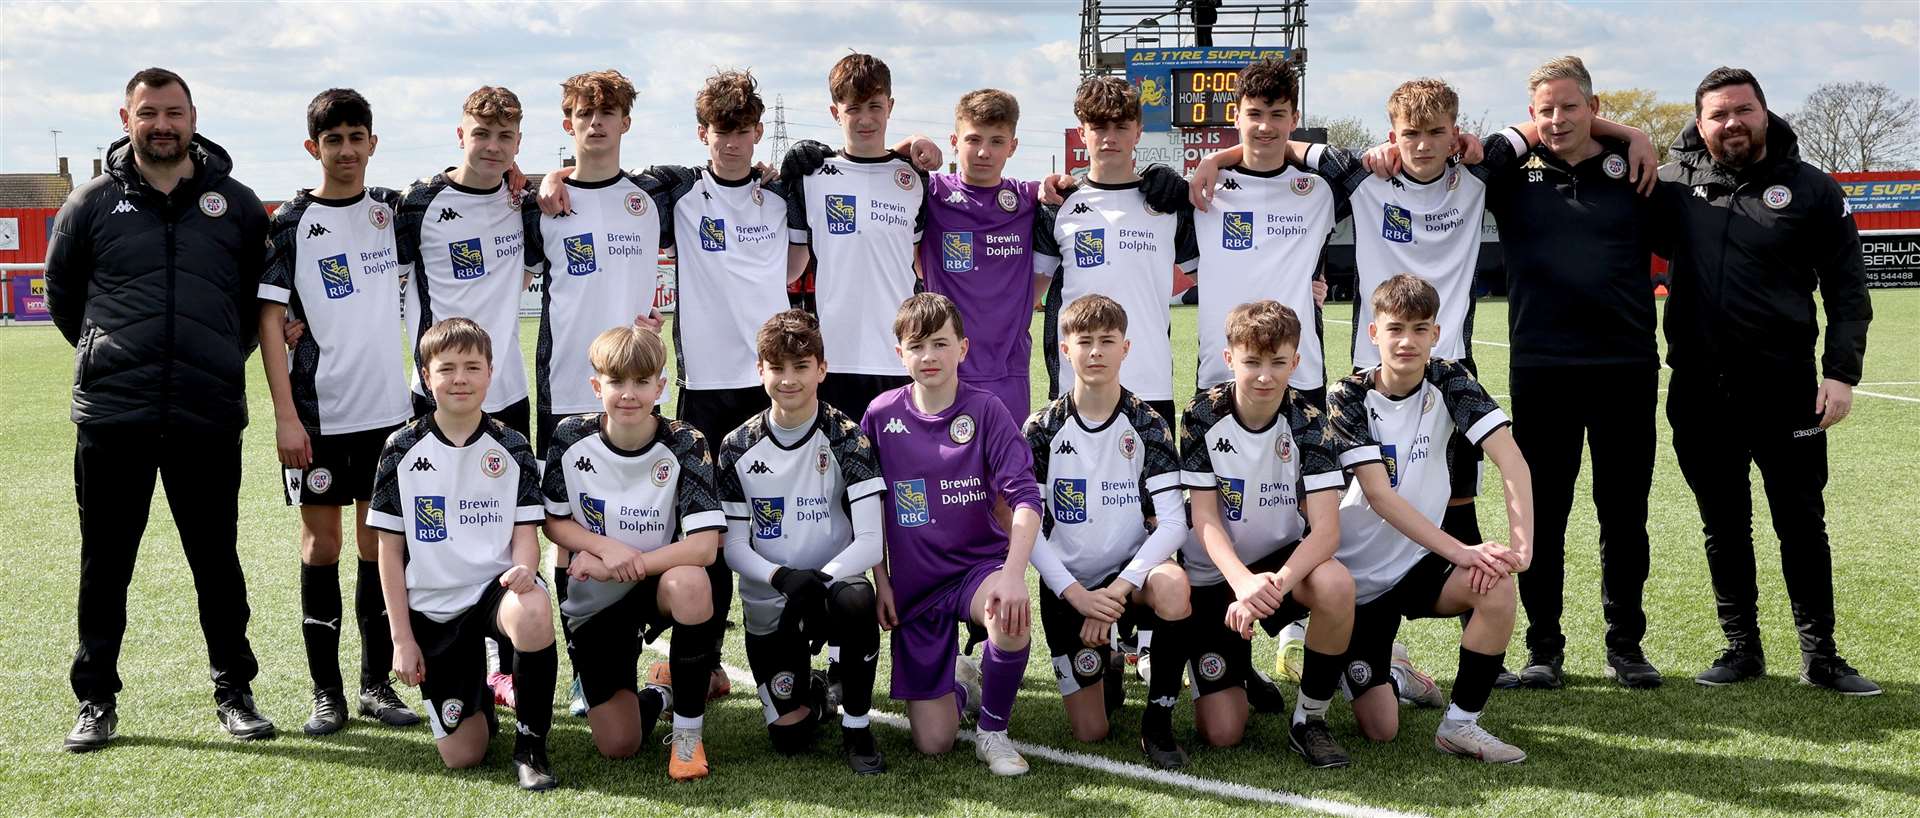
[[863, 218], [333, 262], [469, 254], [1262, 239], [1409, 435], [600, 261], [730, 257], [795, 502], [646, 499], [1260, 476], [1106, 240], [1101, 485], [1430, 229], [456, 504]]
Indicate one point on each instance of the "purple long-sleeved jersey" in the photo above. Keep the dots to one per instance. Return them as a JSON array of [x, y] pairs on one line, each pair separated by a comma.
[[978, 251]]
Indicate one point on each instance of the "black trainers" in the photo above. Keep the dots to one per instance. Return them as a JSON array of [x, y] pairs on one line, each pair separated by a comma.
[[1833, 673], [1264, 696], [1313, 740], [1506, 679], [386, 706], [530, 765], [329, 713], [862, 752], [1631, 669], [239, 718], [98, 724], [1542, 672], [1161, 749], [1735, 665]]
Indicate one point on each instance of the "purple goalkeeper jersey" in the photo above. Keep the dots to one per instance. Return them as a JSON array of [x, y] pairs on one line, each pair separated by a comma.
[[943, 472], [978, 251]]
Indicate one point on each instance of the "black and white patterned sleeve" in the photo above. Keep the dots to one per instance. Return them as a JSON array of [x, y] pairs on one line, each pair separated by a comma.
[[1475, 413], [276, 281], [528, 508], [1196, 460], [559, 503], [1319, 446], [697, 499], [1159, 464], [859, 465], [384, 512], [1347, 420], [1341, 168]]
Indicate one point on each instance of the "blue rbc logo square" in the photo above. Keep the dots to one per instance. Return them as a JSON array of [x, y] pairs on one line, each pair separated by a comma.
[[713, 234], [593, 514], [956, 252], [336, 277], [469, 261], [1236, 230], [1090, 247], [1390, 453], [1397, 226], [429, 518], [910, 507], [843, 212], [580, 259], [1233, 496], [1069, 500], [767, 515]]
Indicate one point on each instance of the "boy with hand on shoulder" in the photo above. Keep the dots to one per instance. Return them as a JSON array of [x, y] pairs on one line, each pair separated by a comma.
[[456, 499], [1099, 455], [948, 452], [332, 264], [631, 495], [804, 503], [1261, 551], [1390, 418]]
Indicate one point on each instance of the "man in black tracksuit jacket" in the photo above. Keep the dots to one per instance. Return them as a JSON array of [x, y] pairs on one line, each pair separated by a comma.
[[151, 274], [1758, 231]]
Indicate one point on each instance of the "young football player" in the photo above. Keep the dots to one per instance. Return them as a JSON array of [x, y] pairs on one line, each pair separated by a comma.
[[803, 497], [1101, 456], [948, 451], [333, 265], [1390, 420], [631, 494], [860, 216], [456, 499], [1258, 462]]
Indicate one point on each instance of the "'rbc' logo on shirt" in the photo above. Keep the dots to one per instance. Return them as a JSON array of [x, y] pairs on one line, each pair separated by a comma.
[[580, 254], [1090, 247], [593, 514], [1236, 230], [842, 213], [1397, 225], [767, 514], [429, 518], [336, 276], [956, 252], [1069, 500], [1391, 454], [910, 508], [1233, 496], [468, 260], [713, 234]]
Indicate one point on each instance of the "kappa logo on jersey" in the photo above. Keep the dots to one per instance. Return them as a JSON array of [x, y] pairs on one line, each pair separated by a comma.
[[956, 252], [317, 231], [768, 512], [1090, 247], [910, 503], [829, 170], [448, 214], [125, 207], [593, 513], [843, 213], [1066, 447], [1397, 224], [956, 197], [1390, 453], [1069, 500], [469, 262], [580, 260], [429, 517], [422, 464], [1079, 208], [1224, 446], [583, 464], [895, 427], [1233, 496], [1230, 184], [336, 277], [1236, 230], [759, 467], [713, 234]]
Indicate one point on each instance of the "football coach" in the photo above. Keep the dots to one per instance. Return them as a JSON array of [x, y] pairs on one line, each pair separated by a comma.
[[1758, 231], [151, 275]]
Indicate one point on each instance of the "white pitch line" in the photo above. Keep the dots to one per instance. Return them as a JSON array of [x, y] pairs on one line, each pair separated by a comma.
[[1887, 396], [1476, 340], [1122, 769], [1891, 383]]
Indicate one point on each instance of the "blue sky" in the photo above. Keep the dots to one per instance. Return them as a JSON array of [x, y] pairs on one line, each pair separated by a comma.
[[253, 67]]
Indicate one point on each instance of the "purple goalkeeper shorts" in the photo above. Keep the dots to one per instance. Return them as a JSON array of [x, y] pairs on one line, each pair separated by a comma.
[[925, 644]]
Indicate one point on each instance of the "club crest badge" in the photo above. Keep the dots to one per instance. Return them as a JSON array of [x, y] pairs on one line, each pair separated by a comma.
[[903, 178], [379, 216], [1777, 197], [1129, 443], [1008, 201], [1211, 666], [821, 460], [1302, 185], [1614, 166], [493, 463], [319, 480], [213, 204], [1086, 662], [636, 203], [1283, 447], [961, 429], [662, 471]]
